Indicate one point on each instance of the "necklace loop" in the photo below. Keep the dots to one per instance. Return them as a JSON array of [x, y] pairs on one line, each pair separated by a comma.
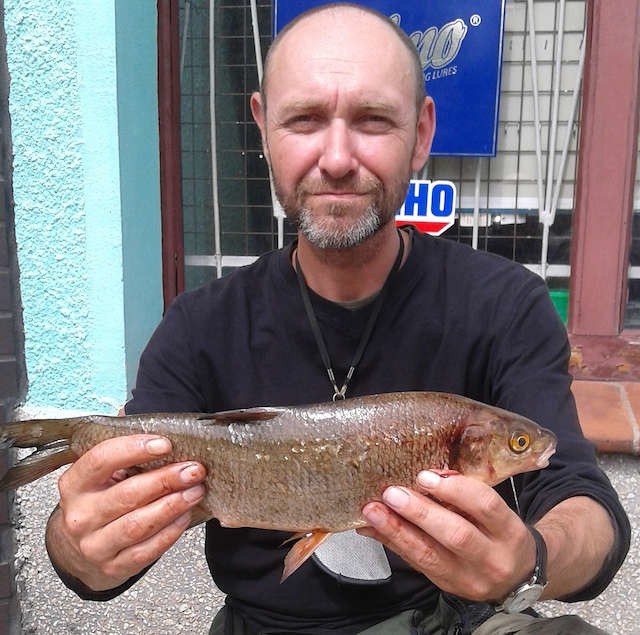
[[341, 393]]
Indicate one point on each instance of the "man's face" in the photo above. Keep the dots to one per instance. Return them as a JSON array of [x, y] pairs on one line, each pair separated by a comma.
[[341, 129]]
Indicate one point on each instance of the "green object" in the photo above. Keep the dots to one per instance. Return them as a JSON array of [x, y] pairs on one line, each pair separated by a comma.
[[560, 298]]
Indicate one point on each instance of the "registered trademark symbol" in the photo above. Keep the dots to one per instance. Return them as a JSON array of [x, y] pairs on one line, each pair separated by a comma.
[[475, 20]]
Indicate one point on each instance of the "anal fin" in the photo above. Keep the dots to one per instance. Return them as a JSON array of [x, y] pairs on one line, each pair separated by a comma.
[[36, 465], [302, 550]]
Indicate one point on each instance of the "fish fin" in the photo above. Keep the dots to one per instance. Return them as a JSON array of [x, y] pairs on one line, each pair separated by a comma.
[[38, 432], [245, 415], [293, 537], [36, 465], [302, 550], [198, 515]]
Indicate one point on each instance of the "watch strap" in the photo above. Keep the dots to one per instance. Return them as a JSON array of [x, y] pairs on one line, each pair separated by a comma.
[[539, 575], [529, 592]]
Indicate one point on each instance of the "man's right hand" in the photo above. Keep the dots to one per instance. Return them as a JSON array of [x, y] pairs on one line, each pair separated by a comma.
[[109, 527]]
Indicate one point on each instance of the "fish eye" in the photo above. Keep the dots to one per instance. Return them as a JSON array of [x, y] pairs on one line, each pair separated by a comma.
[[519, 442]]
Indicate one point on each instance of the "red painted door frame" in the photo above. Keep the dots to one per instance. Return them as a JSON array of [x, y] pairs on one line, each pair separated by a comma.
[[606, 170], [170, 153]]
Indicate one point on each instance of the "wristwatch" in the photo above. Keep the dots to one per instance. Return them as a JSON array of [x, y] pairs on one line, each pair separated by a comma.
[[528, 593]]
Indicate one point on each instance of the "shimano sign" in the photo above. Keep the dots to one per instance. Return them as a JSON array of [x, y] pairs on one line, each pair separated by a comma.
[[460, 48], [430, 206]]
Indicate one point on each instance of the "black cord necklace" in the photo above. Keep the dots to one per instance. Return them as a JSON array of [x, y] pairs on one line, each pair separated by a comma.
[[340, 393]]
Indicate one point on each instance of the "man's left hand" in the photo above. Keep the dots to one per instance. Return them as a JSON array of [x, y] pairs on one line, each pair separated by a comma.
[[458, 532]]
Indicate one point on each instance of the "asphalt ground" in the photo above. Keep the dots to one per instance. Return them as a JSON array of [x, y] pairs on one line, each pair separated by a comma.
[[178, 596]]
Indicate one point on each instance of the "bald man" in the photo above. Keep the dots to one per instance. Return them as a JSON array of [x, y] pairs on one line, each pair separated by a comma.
[[345, 122]]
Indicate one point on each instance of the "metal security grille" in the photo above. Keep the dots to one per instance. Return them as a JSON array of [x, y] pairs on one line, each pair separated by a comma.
[[518, 204], [632, 314]]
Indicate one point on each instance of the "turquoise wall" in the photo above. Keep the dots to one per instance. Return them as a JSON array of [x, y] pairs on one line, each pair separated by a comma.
[[86, 193], [136, 66]]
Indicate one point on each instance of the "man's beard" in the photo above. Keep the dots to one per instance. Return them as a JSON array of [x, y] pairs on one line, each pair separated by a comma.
[[341, 225]]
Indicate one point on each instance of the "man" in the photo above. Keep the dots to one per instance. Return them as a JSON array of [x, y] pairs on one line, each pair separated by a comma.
[[343, 129]]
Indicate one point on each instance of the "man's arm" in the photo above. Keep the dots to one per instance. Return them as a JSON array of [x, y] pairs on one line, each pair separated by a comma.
[[579, 537], [108, 528], [468, 542]]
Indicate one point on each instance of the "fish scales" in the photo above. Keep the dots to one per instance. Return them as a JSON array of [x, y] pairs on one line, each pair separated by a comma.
[[298, 468], [307, 469]]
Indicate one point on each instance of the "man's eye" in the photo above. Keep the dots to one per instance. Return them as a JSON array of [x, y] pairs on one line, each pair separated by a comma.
[[303, 123], [375, 123]]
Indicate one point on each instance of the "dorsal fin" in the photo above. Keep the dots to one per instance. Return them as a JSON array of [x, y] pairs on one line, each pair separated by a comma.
[[244, 415]]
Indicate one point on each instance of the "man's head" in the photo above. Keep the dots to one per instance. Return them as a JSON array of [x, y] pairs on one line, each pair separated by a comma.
[[418, 74], [346, 124]]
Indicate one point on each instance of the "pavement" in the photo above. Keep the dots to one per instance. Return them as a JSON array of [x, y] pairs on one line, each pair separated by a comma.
[[610, 414], [178, 596]]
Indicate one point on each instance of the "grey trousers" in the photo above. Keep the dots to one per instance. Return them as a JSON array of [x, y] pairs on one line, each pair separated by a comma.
[[445, 620]]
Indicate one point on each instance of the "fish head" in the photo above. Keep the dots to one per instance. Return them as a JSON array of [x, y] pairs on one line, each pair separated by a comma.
[[495, 444]]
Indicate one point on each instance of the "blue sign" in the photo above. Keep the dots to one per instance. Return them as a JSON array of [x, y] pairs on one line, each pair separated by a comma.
[[460, 46], [430, 206]]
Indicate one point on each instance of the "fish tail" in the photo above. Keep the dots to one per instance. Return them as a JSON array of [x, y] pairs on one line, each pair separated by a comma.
[[302, 550], [50, 437]]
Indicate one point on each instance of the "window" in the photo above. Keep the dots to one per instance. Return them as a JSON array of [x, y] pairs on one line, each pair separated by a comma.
[[519, 204], [632, 314]]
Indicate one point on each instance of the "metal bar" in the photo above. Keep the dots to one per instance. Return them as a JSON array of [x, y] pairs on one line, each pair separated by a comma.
[[278, 212], [551, 151], [547, 221], [225, 261], [214, 144], [185, 32], [536, 103], [476, 204], [256, 38], [567, 141]]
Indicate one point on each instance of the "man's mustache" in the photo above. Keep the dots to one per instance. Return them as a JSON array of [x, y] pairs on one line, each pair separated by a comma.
[[325, 186]]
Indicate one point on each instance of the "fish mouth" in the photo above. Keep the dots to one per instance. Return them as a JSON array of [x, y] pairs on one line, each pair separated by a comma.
[[543, 459]]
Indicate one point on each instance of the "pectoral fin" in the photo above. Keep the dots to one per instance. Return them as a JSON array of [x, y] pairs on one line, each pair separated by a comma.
[[302, 550]]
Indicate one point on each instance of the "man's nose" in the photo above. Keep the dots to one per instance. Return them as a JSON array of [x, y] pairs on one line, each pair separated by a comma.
[[338, 156]]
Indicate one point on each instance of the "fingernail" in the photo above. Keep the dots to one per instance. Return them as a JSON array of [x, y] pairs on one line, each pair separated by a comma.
[[193, 493], [191, 473], [395, 497], [428, 479], [374, 515], [158, 446]]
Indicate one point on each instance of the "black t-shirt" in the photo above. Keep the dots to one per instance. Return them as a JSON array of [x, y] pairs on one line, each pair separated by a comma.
[[454, 320]]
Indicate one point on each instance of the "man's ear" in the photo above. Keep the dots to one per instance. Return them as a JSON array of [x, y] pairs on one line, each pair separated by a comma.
[[425, 129], [260, 116]]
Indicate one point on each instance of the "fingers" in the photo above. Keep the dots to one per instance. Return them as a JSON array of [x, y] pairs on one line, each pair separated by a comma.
[[461, 534], [95, 468], [467, 497], [146, 531], [116, 526], [131, 560], [404, 538], [91, 499], [142, 489], [422, 532]]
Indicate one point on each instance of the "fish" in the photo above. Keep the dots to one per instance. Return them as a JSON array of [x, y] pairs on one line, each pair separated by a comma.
[[309, 469]]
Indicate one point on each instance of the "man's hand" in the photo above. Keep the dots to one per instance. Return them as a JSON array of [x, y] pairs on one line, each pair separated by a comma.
[[461, 535], [109, 527], [468, 542]]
